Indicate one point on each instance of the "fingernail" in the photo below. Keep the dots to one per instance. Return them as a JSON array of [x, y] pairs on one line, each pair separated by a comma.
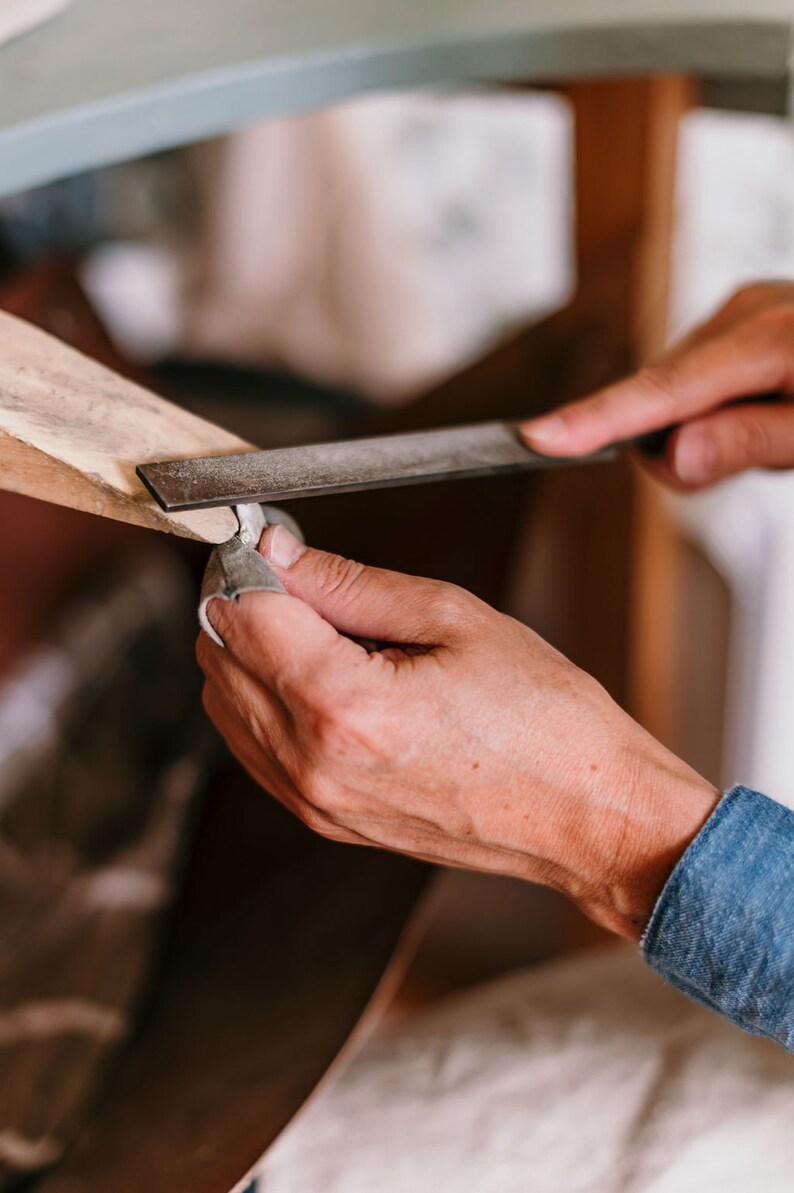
[[546, 432], [281, 547], [695, 457]]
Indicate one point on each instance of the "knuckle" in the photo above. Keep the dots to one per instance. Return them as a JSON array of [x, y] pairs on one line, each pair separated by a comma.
[[339, 575], [320, 822], [765, 309], [752, 443], [597, 406], [748, 297], [205, 656], [363, 732], [320, 707], [326, 728], [454, 608], [775, 324], [308, 691], [660, 383], [347, 734], [315, 728], [344, 727], [317, 789], [314, 817]]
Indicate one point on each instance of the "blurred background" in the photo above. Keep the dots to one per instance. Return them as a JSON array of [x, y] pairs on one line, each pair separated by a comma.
[[349, 271]]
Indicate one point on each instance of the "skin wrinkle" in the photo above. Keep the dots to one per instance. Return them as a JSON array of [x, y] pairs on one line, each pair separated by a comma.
[[434, 831], [476, 744], [435, 839]]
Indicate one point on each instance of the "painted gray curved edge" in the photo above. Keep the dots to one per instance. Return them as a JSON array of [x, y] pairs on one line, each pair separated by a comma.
[[207, 103]]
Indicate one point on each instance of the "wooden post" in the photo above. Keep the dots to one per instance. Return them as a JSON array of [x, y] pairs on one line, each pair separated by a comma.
[[622, 562], [658, 557]]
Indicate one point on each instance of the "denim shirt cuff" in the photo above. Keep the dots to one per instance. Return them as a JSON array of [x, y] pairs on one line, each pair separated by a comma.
[[722, 930]]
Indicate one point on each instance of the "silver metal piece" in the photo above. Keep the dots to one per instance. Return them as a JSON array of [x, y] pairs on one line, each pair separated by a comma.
[[386, 461], [235, 567]]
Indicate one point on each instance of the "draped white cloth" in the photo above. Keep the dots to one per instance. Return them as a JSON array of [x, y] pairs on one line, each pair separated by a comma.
[[381, 243], [584, 1076]]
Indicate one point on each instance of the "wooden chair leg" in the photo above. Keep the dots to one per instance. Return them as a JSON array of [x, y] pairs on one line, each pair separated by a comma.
[[610, 563]]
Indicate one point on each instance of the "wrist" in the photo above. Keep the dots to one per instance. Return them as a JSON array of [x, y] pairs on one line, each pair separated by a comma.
[[643, 834]]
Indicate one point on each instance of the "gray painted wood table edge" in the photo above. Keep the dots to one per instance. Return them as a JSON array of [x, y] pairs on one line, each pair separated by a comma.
[[209, 102]]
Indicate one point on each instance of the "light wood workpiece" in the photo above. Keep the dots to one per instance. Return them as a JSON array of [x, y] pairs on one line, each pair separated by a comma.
[[72, 432]]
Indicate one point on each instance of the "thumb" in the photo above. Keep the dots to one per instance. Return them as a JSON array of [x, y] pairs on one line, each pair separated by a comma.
[[365, 601]]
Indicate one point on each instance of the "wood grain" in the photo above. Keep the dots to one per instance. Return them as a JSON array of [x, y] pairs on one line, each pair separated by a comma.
[[72, 432]]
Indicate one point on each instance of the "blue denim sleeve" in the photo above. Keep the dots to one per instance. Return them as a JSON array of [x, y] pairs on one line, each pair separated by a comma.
[[722, 930]]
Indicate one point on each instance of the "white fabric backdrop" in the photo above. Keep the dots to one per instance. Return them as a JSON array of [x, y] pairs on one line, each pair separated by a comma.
[[586, 1076]]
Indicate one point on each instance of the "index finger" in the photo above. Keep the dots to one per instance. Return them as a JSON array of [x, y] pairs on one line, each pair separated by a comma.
[[281, 641], [685, 384]]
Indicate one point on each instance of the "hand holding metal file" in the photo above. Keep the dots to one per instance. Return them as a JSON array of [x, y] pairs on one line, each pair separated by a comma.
[[382, 462]]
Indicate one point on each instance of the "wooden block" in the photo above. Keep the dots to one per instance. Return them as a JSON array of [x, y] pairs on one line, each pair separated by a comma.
[[73, 431]]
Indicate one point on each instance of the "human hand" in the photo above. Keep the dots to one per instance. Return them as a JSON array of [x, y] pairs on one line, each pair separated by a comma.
[[747, 349], [472, 742]]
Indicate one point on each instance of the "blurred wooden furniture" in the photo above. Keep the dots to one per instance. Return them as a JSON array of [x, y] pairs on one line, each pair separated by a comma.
[[282, 939], [279, 940], [103, 758]]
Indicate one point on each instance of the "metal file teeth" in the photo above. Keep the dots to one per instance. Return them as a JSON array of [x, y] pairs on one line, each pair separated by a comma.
[[381, 462]]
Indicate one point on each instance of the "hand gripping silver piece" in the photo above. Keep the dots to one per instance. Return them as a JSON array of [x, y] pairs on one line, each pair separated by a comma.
[[235, 567]]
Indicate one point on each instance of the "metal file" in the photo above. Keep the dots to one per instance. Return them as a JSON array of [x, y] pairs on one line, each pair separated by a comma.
[[349, 466]]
